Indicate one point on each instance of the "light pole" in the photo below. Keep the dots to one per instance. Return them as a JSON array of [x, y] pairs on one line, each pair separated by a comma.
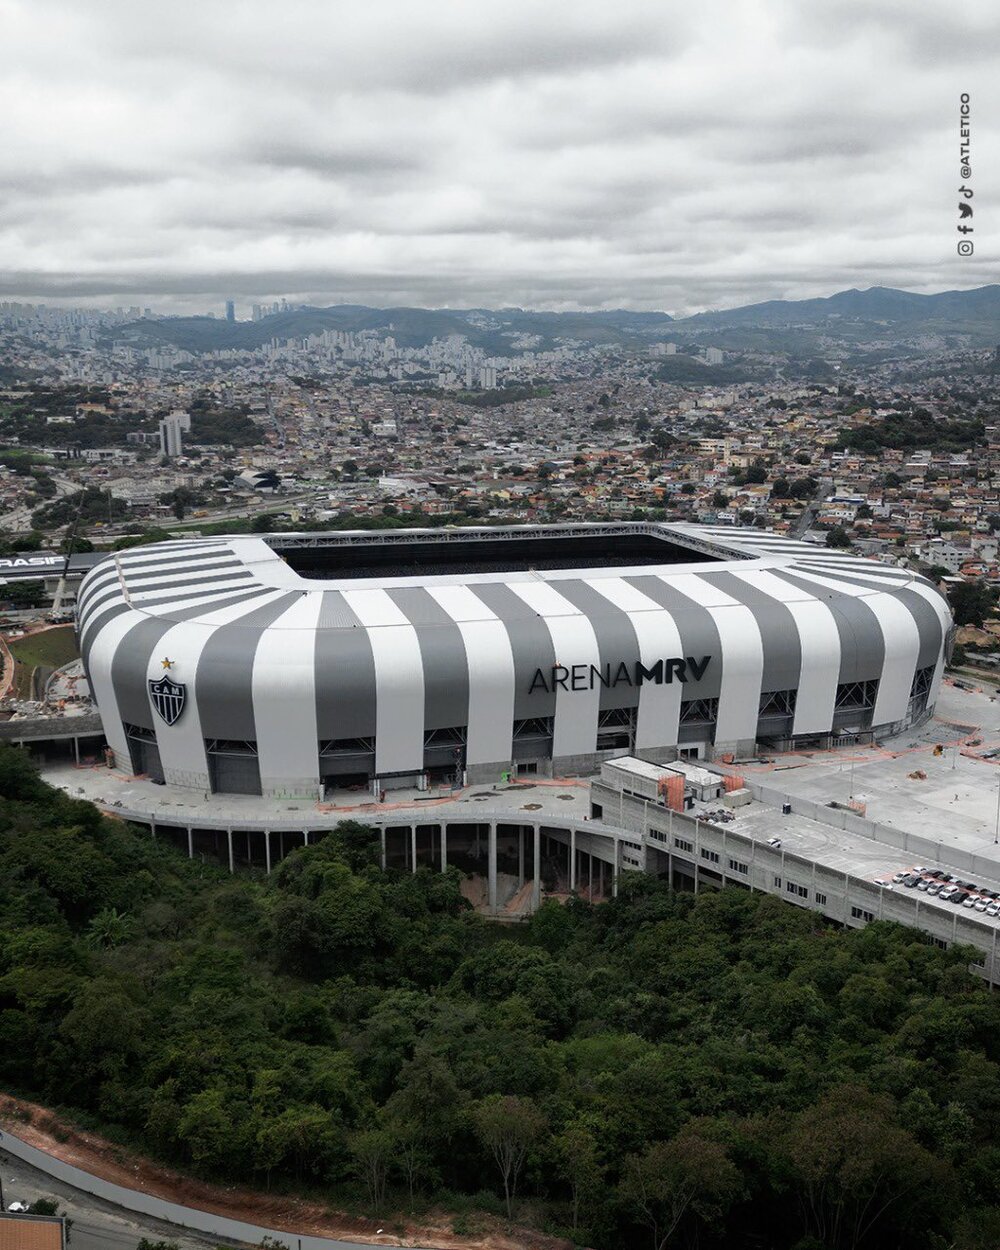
[[996, 831]]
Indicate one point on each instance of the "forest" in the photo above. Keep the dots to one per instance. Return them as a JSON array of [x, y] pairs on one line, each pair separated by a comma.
[[660, 1070]]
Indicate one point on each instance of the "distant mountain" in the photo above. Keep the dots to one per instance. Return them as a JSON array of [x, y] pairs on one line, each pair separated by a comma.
[[497, 331], [799, 328], [956, 312]]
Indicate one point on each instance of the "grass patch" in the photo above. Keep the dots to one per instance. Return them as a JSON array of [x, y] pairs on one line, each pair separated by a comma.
[[52, 648]]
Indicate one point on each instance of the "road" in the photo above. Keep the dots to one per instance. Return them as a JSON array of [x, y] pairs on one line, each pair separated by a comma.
[[20, 519], [812, 507], [97, 1225]]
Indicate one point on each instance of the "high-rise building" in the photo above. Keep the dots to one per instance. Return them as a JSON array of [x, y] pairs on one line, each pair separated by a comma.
[[171, 429], [230, 310]]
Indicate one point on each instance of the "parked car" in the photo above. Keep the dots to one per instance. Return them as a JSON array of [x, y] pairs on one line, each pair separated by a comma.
[[925, 883], [884, 883], [775, 842], [946, 891], [900, 876], [970, 901], [993, 909], [982, 903], [911, 881], [959, 897]]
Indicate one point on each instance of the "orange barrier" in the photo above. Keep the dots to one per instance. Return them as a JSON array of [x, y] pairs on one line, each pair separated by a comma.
[[671, 791], [733, 782]]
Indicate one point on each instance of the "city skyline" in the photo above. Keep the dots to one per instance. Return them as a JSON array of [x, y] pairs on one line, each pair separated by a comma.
[[567, 158]]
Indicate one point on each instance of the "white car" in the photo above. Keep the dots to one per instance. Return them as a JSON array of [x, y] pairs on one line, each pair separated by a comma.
[[17, 1208], [884, 883], [775, 842], [899, 876], [971, 901], [993, 909]]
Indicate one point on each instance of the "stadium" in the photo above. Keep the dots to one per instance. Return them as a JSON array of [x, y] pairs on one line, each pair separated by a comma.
[[290, 665]]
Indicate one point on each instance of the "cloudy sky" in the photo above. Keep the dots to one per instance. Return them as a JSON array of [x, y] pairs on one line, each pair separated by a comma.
[[551, 153]]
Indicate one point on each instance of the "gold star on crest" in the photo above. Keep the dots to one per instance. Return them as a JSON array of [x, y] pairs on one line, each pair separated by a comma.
[[167, 663]]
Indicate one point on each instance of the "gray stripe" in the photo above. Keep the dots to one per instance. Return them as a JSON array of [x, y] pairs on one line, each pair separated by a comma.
[[212, 569], [778, 632], [530, 644], [148, 556], [616, 640], [442, 651], [128, 671], [88, 637], [927, 620], [862, 648], [224, 680], [180, 589], [345, 673], [699, 635], [164, 602], [108, 577]]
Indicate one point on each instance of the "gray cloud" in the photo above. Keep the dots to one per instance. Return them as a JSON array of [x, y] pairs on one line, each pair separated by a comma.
[[573, 154]]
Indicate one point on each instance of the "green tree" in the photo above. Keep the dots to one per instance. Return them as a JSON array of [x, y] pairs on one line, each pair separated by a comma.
[[373, 1150], [971, 602], [838, 537], [689, 1178], [576, 1150], [507, 1128]]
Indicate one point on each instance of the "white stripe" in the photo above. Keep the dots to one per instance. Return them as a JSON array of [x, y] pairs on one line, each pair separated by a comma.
[[399, 681], [490, 663], [819, 641], [100, 656], [742, 657], [573, 642], [659, 714], [901, 640], [284, 689]]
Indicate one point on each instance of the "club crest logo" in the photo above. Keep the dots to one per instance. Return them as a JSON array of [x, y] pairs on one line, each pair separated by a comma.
[[168, 698]]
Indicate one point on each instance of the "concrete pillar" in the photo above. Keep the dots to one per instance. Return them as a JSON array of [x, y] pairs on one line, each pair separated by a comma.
[[590, 873], [520, 855], [444, 848], [229, 840], [413, 848], [76, 751], [305, 837], [190, 843], [382, 835], [492, 867], [572, 860], [614, 869], [536, 886], [152, 825], [267, 850]]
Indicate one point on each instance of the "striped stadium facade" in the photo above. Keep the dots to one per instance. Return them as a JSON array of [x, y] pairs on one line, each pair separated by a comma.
[[218, 664]]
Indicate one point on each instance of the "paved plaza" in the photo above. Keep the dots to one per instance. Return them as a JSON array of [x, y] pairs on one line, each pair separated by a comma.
[[955, 802]]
